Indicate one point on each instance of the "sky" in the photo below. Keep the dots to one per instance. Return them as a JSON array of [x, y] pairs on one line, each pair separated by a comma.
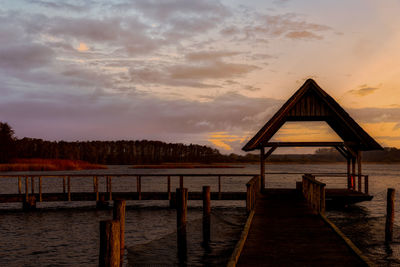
[[203, 71]]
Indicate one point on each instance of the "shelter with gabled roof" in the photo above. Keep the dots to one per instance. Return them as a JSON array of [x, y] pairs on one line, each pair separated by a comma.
[[311, 103]]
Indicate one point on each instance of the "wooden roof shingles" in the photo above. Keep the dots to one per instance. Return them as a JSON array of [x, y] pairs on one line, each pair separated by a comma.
[[311, 103]]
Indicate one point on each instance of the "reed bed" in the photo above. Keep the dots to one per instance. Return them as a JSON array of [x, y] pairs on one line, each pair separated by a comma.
[[48, 165]]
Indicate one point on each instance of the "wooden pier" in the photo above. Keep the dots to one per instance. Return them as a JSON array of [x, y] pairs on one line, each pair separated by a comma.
[[28, 196], [287, 227]]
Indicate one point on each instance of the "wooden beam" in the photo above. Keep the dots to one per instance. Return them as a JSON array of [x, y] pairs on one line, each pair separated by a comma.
[[262, 167], [359, 170], [342, 151], [303, 144], [270, 151]]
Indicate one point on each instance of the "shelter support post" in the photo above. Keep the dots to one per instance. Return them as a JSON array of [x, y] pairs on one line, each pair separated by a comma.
[[353, 173], [262, 167], [359, 170], [348, 174]]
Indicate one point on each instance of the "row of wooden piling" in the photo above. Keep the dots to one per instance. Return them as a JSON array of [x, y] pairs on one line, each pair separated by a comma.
[[112, 241], [112, 237]]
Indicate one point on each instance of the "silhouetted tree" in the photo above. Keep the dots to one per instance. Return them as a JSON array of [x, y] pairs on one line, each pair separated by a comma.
[[7, 145]]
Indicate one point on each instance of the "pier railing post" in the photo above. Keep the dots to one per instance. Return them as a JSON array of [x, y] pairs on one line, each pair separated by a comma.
[[119, 215], [206, 215], [26, 188], [19, 185], [139, 187], [219, 187], [64, 185], [389, 215], [110, 250], [33, 185], [169, 187], [40, 189], [109, 187], [181, 220], [69, 188]]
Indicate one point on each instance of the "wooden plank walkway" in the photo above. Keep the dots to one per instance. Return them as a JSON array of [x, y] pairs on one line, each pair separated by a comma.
[[284, 232]]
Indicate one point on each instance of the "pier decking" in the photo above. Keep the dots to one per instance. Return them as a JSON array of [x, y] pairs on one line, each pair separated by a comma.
[[285, 230]]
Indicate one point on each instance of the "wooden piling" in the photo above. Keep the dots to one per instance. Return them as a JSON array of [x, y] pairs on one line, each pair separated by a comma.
[[219, 187], [181, 220], [206, 214], [366, 186], [64, 184], [19, 185], [29, 203], [110, 187], [172, 201], [69, 188], [26, 188], [119, 215], [107, 185], [181, 181], [110, 246], [139, 186], [33, 185], [96, 187], [169, 187], [389, 215], [40, 189]]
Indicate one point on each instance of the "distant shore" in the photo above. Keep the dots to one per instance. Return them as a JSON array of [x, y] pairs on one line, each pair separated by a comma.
[[186, 166]]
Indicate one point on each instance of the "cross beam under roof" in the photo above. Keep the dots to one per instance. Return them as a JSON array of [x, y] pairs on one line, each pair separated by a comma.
[[304, 144]]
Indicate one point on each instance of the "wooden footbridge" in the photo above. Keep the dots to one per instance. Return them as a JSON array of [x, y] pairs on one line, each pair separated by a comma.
[[287, 227]]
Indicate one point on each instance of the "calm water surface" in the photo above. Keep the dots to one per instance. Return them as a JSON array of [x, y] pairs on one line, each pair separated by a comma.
[[66, 234]]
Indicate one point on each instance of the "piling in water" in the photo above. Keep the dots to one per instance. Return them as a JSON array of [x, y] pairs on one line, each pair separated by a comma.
[[181, 220], [389, 215], [206, 215], [119, 215], [110, 250]]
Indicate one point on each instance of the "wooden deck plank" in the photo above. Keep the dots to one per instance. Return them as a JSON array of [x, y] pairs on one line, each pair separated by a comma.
[[284, 232]]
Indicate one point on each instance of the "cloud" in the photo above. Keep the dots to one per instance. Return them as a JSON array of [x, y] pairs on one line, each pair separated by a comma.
[[25, 56], [364, 90], [58, 5], [165, 10], [375, 114], [119, 115], [265, 26], [210, 55], [225, 140], [211, 70], [303, 35]]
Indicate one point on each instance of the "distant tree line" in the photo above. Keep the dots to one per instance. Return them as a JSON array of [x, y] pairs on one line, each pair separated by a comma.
[[116, 152], [153, 152]]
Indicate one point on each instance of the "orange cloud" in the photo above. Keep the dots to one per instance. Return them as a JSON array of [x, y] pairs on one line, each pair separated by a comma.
[[224, 140], [82, 47]]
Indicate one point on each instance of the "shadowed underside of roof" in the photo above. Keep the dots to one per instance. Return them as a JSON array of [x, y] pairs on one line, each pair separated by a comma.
[[311, 103]]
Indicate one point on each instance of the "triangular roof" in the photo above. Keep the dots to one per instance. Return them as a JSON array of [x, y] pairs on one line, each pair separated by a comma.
[[311, 103]]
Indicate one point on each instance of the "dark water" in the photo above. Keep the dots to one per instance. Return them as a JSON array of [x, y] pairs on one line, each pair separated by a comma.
[[67, 234]]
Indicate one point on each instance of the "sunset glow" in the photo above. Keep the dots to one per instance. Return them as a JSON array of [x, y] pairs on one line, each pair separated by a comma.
[[205, 72]]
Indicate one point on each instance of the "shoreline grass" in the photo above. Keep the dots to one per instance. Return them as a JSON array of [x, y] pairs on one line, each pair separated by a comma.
[[37, 164]]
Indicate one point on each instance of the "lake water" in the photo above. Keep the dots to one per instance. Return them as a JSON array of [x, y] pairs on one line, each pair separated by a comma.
[[67, 234]]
